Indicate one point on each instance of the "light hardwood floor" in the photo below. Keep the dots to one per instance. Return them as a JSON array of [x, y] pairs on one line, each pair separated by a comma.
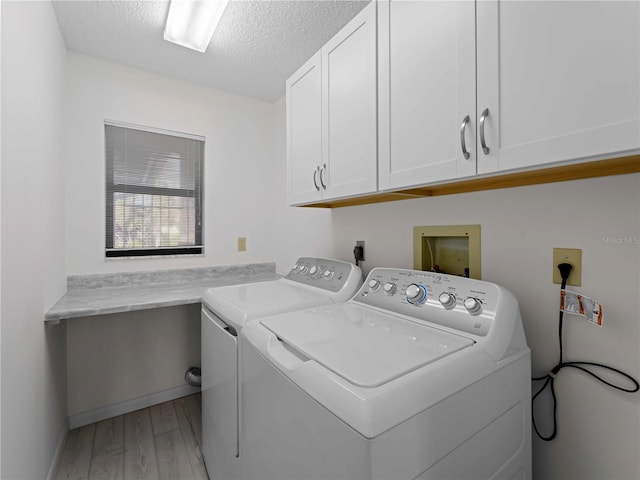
[[159, 442]]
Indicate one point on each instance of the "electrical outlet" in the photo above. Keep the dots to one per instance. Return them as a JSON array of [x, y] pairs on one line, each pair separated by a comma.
[[360, 243], [572, 256], [242, 244]]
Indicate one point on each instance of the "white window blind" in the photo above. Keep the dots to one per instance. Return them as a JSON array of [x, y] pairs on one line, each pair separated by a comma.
[[154, 192]]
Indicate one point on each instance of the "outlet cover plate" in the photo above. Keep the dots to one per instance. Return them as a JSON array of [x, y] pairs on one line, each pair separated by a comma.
[[572, 256]]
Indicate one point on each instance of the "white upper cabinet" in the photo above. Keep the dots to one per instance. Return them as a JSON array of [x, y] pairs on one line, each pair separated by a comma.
[[332, 117], [427, 96], [304, 132], [460, 89], [350, 108], [560, 81]]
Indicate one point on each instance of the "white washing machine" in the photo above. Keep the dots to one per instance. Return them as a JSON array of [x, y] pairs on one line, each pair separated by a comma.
[[420, 375], [225, 310]]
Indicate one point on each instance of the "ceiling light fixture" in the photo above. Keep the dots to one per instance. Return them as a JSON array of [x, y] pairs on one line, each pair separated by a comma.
[[191, 23]]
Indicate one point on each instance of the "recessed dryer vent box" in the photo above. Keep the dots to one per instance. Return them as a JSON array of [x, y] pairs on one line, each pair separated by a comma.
[[447, 248]]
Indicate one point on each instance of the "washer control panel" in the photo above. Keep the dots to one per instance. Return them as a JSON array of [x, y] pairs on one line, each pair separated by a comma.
[[459, 303], [324, 273]]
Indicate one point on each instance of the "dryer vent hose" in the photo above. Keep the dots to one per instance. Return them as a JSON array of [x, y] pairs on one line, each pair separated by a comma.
[[193, 376]]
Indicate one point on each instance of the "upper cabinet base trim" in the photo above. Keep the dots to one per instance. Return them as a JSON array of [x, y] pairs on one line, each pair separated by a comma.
[[576, 171]]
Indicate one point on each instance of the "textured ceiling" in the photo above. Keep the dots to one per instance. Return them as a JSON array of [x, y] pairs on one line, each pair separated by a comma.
[[257, 45]]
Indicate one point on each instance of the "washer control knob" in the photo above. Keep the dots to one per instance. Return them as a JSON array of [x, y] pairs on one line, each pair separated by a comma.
[[473, 305], [328, 275], [295, 268], [374, 284], [448, 300], [389, 288], [315, 271], [416, 293], [303, 269]]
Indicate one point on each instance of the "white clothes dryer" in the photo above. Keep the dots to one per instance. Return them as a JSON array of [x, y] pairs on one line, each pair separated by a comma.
[[225, 310], [420, 375]]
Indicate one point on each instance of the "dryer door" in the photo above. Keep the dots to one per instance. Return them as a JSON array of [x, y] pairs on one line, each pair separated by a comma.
[[219, 396]]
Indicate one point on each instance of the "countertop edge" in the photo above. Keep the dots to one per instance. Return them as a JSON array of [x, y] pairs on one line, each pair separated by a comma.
[[77, 303], [55, 317]]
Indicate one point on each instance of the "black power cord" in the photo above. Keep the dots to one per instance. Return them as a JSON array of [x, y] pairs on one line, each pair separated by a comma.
[[358, 253], [549, 378]]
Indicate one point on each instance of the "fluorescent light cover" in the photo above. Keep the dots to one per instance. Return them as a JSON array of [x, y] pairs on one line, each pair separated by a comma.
[[191, 23]]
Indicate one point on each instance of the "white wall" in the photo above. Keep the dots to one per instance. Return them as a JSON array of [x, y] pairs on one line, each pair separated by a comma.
[[32, 245], [599, 429], [238, 184], [115, 358], [0, 248]]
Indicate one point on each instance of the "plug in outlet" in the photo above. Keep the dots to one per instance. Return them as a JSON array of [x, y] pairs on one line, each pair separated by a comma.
[[572, 256], [360, 243]]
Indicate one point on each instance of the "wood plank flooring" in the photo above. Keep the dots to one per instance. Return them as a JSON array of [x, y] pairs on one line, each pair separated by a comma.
[[160, 442]]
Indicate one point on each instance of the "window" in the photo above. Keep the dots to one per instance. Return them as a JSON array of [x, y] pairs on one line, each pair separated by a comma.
[[154, 192]]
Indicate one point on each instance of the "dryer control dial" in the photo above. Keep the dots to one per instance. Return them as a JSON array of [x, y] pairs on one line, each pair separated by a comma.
[[389, 288], [315, 271], [416, 293], [473, 305], [328, 274], [448, 300], [303, 269]]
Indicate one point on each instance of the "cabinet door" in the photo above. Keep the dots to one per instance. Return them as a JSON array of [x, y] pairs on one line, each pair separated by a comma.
[[349, 108], [427, 88], [304, 132], [560, 81]]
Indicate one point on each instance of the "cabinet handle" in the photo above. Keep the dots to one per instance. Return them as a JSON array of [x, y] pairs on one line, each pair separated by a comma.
[[324, 185], [463, 144], [315, 178], [484, 115]]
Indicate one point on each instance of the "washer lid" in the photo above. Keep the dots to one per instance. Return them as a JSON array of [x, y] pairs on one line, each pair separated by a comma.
[[366, 347], [237, 304]]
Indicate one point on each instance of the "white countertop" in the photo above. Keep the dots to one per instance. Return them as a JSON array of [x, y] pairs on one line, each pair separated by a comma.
[[90, 295]]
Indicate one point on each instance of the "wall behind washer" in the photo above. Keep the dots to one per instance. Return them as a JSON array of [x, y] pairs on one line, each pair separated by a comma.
[[238, 161]]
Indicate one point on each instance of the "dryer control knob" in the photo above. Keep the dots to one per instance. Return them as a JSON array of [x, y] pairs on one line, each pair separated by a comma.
[[473, 305], [389, 288], [314, 270], [328, 275], [374, 284], [303, 269], [416, 293], [448, 300]]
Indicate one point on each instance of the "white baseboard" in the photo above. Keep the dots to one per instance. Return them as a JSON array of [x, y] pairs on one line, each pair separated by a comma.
[[92, 416], [57, 456]]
